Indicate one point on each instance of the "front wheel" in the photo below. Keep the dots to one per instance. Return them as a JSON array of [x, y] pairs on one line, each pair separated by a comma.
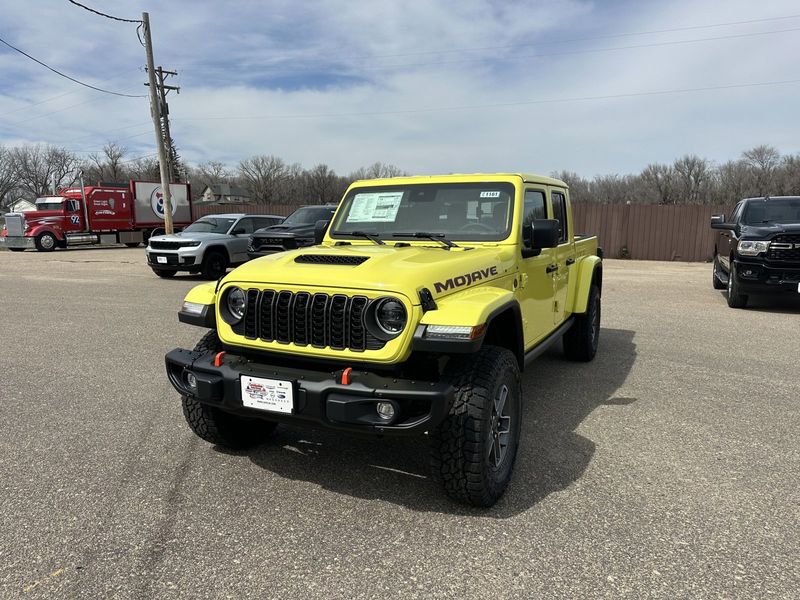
[[215, 265], [216, 426], [735, 298], [473, 450], [46, 242]]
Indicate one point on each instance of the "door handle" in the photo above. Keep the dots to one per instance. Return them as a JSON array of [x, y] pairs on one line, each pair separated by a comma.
[[551, 268], [570, 261]]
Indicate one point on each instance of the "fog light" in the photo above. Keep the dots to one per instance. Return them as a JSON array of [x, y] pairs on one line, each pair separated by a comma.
[[385, 410], [191, 381]]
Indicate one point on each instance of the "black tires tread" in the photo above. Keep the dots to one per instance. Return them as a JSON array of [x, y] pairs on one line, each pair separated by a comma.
[[46, 242], [458, 444], [215, 264], [581, 341], [735, 298], [715, 280], [216, 426]]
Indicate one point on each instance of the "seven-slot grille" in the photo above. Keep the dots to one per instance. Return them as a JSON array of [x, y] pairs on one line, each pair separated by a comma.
[[783, 252], [306, 319]]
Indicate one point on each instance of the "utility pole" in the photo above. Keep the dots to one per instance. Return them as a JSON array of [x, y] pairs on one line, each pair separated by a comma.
[[155, 111], [162, 92]]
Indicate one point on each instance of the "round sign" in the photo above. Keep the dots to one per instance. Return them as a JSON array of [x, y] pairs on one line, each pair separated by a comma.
[[157, 202]]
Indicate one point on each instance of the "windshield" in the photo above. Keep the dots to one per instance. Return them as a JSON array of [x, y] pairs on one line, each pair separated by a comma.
[[478, 211], [774, 210], [308, 216], [210, 225], [49, 203]]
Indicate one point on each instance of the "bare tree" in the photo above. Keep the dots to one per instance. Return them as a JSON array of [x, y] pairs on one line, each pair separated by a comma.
[[264, 176], [8, 177], [763, 161], [693, 174], [321, 183], [661, 179], [377, 170], [40, 168]]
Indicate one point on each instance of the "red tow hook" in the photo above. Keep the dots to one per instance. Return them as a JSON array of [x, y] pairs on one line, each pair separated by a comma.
[[218, 359], [346, 375]]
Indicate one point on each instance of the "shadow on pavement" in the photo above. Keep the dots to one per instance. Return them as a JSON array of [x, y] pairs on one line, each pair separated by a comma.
[[783, 303], [558, 396]]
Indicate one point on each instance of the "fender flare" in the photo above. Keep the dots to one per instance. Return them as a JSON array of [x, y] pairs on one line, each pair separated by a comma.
[[590, 270]]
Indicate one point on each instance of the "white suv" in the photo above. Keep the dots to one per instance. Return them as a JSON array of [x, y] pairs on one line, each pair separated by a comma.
[[208, 246]]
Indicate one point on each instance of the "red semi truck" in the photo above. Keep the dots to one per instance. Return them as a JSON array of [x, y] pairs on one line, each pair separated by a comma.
[[98, 214]]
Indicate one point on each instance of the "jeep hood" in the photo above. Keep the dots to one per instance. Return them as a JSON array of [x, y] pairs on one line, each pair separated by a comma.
[[380, 268]]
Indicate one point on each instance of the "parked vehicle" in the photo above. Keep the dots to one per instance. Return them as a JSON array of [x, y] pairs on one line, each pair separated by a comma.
[[414, 314], [99, 214], [758, 250], [208, 246], [295, 232]]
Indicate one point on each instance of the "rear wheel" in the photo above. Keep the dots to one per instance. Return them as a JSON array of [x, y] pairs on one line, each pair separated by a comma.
[[582, 339], [735, 298], [716, 280], [216, 426], [473, 450], [215, 265], [164, 274], [46, 242]]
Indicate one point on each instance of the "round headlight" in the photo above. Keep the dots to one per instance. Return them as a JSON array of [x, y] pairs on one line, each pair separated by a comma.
[[390, 316], [237, 302]]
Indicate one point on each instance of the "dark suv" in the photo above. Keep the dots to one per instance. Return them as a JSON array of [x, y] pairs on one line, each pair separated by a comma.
[[758, 250], [295, 232]]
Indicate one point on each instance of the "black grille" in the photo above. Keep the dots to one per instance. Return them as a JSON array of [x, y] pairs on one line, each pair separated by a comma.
[[156, 245], [304, 319], [330, 259], [792, 254]]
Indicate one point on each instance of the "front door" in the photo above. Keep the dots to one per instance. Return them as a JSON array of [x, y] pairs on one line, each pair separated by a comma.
[[238, 247], [536, 288]]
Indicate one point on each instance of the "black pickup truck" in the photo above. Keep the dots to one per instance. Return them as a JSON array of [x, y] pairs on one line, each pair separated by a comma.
[[296, 231], [758, 250]]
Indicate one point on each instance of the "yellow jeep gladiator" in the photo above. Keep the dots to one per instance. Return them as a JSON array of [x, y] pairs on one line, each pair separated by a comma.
[[414, 314]]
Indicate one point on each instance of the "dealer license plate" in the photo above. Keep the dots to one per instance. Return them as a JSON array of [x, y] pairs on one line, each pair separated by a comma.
[[161, 259], [271, 395]]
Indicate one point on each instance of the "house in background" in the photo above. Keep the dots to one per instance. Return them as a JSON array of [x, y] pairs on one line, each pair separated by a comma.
[[19, 206], [224, 193]]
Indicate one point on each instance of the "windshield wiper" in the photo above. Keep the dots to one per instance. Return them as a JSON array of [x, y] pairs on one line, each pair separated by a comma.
[[436, 237], [364, 234]]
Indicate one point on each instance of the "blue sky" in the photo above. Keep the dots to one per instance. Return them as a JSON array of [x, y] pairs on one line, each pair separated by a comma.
[[474, 85]]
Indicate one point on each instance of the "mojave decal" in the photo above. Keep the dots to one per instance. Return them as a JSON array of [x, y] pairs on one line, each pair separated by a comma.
[[465, 279]]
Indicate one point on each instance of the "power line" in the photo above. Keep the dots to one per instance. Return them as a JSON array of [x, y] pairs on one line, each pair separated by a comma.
[[97, 12], [57, 72], [499, 105]]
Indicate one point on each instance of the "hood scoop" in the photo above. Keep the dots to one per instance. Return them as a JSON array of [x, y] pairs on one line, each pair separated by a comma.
[[330, 259]]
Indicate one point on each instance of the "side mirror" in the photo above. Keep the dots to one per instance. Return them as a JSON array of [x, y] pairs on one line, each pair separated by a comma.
[[237, 231], [320, 228], [544, 233], [718, 222]]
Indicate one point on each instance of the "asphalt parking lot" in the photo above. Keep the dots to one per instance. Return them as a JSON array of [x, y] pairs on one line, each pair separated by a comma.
[[667, 468]]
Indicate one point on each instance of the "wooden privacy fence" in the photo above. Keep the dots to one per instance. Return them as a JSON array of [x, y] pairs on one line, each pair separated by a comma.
[[649, 231], [637, 231]]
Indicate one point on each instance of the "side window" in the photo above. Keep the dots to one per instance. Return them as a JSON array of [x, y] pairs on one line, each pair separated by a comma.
[[246, 224], [560, 214], [534, 207]]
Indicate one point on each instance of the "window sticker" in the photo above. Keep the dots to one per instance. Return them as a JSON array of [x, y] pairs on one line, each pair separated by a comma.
[[374, 207], [490, 194]]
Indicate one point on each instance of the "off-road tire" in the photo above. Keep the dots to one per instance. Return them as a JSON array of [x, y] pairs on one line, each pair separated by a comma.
[[164, 273], [735, 298], [715, 270], [215, 265], [461, 446], [46, 242], [132, 244], [581, 340], [216, 426]]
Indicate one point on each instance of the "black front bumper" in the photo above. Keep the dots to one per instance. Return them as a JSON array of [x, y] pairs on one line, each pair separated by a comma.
[[763, 277], [320, 399]]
